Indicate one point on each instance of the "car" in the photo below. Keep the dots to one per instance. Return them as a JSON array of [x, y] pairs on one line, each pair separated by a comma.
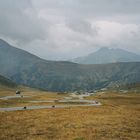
[[53, 106], [24, 107]]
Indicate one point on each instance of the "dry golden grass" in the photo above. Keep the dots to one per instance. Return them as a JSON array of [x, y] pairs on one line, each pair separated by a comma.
[[6, 91], [32, 95], [117, 119]]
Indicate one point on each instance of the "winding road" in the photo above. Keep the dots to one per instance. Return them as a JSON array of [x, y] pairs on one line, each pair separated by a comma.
[[86, 103]]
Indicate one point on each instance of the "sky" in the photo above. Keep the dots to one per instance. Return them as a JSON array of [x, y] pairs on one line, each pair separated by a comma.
[[66, 29]]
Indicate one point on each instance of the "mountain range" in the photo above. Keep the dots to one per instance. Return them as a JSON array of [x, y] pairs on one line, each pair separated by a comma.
[[27, 69], [106, 55]]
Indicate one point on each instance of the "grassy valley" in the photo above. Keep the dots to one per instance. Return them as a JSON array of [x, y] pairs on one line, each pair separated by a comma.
[[116, 119]]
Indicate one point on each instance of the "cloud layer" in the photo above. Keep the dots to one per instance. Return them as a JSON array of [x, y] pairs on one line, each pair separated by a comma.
[[54, 29]]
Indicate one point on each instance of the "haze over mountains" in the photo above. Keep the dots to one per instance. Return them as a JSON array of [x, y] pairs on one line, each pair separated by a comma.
[[106, 55], [27, 69]]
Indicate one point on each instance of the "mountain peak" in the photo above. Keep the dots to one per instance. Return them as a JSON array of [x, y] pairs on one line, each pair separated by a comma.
[[110, 49], [104, 49], [108, 55]]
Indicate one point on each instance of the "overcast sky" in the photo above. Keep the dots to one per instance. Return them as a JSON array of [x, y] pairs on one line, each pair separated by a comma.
[[65, 29]]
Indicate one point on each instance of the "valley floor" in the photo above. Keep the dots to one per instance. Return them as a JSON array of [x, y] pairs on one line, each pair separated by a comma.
[[118, 118]]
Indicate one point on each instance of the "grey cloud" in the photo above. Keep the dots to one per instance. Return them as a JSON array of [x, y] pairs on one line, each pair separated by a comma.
[[81, 26], [63, 29], [19, 21], [93, 8]]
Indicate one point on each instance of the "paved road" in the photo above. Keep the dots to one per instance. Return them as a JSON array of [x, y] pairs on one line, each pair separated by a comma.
[[65, 101], [41, 107], [87, 103], [91, 103], [13, 97]]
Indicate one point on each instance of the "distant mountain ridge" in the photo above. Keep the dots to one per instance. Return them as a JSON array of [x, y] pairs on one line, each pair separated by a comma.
[[106, 55], [30, 70]]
